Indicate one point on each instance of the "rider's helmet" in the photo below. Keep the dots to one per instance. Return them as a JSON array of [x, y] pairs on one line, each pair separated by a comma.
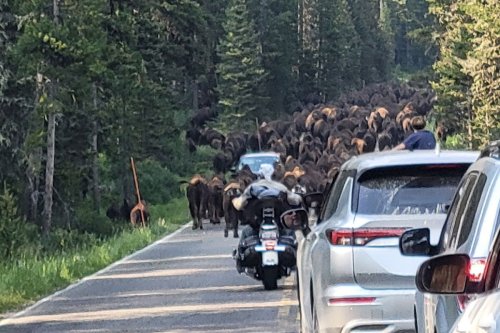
[[266, 171]]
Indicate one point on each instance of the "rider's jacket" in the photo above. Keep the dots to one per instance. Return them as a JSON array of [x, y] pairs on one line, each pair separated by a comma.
[[265, 188]]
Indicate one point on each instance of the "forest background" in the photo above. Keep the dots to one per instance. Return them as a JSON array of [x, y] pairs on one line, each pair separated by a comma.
[[87, 84]]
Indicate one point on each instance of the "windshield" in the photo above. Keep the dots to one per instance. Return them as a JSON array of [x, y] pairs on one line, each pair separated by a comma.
[[254, 162], [408, 190]]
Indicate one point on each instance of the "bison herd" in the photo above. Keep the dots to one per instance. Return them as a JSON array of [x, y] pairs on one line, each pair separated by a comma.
[[313, 143]]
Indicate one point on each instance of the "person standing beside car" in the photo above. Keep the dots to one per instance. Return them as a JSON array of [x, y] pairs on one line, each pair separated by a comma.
[[420, 139]]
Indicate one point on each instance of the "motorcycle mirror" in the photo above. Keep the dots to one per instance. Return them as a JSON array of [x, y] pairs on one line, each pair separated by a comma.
[[295, 219], [313, 200]]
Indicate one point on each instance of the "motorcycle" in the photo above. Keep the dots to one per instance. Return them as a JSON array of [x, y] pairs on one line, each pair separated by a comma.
[[267, 250]]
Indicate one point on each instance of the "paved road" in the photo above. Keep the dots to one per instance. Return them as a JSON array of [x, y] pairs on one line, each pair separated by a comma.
[[183, 283]]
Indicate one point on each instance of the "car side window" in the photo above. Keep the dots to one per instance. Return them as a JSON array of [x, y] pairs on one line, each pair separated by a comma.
[[451, 224], [470, 210], [334, 195], [457, 218]]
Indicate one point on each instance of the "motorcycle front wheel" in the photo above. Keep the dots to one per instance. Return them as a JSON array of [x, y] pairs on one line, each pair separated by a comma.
[[270, 277]]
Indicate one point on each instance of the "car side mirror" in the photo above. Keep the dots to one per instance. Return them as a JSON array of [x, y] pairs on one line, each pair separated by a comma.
[[416, 242], [445, 274], [313, 200], [313, 203], [295, 219]]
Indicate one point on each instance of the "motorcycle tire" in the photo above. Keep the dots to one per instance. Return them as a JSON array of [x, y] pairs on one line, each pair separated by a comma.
[[270, 277]]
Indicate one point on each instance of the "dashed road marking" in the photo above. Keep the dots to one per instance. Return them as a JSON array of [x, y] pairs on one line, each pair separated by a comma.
[[288, 315]]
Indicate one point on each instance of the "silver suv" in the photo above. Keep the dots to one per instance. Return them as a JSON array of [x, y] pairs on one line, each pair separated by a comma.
[[351, 274], [469, 229]]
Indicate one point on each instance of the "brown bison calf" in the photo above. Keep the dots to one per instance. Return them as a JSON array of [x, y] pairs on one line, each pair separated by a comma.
[[231, 215]]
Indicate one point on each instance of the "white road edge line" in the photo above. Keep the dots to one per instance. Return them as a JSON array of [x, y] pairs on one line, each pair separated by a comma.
[[104, 270]]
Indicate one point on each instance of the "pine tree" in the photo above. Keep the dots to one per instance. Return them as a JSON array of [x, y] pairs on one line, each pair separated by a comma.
[[375, 52], [339, 49], [277, 30], [483, 66], [308, 29], [452, 85], [241, 74]]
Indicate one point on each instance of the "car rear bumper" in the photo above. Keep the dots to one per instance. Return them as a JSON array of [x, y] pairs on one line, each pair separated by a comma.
[[350, 308]]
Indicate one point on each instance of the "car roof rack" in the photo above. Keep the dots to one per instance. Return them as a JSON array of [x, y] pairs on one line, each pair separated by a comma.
[[491, 150]]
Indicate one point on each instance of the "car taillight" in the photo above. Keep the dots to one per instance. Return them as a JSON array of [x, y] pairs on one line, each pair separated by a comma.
[[351, 300], [360, 237], [475, 273], [476, 269]]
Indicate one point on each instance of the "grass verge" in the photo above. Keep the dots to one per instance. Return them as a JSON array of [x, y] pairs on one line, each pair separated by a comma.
[[28, 279]]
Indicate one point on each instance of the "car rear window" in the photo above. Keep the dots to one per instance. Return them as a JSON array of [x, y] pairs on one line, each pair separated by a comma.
[[424, 189], [254, 162]]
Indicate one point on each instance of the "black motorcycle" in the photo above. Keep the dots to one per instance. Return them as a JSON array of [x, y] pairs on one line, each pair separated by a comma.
[[267, 249]]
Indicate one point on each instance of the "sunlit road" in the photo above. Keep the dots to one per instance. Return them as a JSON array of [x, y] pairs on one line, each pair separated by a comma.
[[184, 283]]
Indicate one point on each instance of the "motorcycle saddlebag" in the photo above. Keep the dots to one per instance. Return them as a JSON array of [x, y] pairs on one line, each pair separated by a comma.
[[288, 257], [251, 258]]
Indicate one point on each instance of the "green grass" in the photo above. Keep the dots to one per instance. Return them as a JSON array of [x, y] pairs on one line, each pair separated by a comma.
[[28, 279]]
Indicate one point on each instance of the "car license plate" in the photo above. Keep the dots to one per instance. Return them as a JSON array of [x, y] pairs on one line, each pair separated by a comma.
[[269, 258]]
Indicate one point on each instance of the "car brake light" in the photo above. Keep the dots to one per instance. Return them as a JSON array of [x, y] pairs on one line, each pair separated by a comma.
[[360, 237], [357, 300], [476, 269], [475, 273]]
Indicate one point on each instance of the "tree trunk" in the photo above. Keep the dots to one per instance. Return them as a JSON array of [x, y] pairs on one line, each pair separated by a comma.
[[95, 154], [195, 96], [51, 149], [34, 159], [55, 11], [32, 173], [49, 174]]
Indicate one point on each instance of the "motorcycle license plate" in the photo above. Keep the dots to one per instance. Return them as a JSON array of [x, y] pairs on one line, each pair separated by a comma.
[[269, 258]]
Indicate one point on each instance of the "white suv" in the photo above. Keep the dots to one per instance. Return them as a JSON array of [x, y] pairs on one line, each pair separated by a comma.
[[351, 275], [469, 229]]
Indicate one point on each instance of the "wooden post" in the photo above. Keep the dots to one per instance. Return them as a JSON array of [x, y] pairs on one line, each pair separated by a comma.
[[137, 192]]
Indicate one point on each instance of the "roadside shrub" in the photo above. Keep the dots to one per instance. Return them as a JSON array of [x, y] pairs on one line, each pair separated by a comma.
[[90, 221], [61, 240], [157, 184], [456, 141], [16, 235]]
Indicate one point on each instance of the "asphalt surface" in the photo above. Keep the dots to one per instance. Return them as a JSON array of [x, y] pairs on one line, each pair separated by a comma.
[[186, 282]]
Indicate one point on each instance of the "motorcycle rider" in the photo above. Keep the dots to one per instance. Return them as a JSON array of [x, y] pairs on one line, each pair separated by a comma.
[[249, 199]]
